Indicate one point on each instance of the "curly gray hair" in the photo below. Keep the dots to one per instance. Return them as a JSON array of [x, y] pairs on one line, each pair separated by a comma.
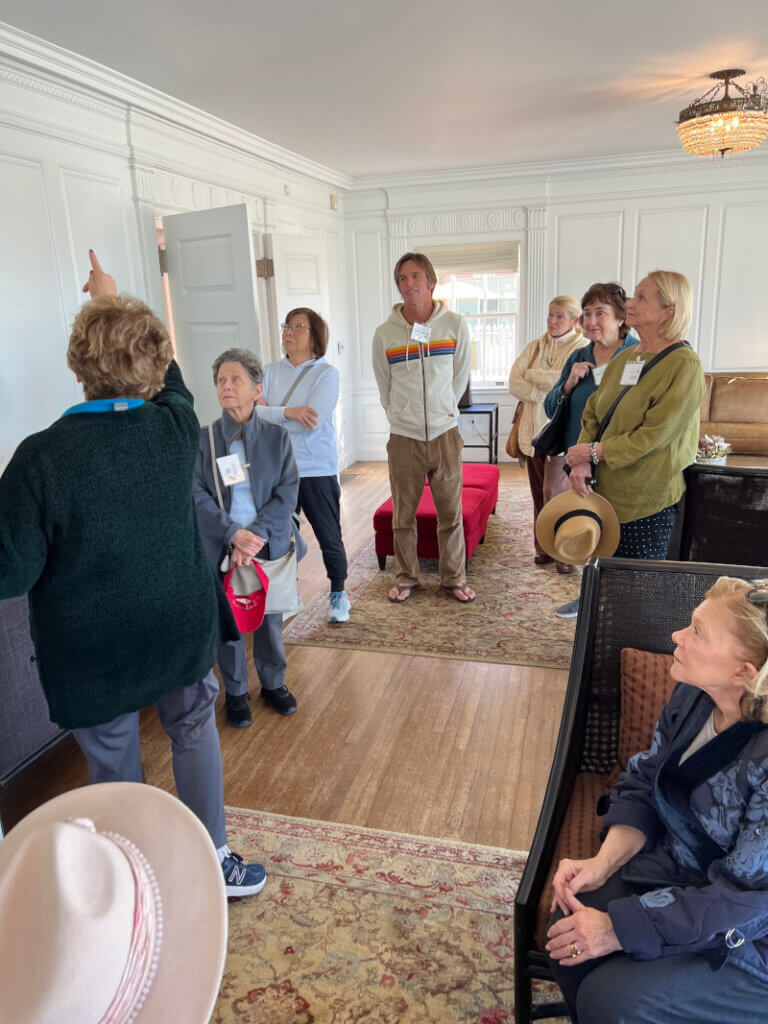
[[247, 359]]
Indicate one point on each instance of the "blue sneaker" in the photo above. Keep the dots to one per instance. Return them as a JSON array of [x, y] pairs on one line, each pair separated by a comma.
[[338, 606], [242, 879]]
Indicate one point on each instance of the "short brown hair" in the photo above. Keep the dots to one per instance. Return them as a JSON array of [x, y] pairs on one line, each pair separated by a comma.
[[423, 261], [119, 349], [609, 294], [318, 329]]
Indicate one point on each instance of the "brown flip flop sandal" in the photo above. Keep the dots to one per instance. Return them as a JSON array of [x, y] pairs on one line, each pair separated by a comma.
[[464, 587], [401, 589]]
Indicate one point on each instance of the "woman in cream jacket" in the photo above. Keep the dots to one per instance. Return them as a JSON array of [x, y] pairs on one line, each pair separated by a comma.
[[534, 374]]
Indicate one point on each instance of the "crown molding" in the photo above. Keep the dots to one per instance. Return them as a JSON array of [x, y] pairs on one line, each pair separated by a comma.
[[554, 172], [37, 64]]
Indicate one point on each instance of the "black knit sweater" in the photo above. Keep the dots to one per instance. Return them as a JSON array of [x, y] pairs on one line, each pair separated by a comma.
[[98, 525]]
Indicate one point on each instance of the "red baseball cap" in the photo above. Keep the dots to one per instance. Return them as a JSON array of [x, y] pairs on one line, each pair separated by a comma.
[[248, 609]]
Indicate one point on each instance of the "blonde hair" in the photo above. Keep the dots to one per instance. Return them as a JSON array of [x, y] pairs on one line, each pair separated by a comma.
[[674, 291], [119, 349], [568, 303], [751, 627], [423, 261]]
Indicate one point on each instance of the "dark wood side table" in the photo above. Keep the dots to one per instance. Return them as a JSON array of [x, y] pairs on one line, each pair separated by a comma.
[[492, 412]]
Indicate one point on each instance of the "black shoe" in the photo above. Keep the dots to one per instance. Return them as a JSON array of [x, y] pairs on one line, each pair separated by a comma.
[[238, 712], [281, 699]]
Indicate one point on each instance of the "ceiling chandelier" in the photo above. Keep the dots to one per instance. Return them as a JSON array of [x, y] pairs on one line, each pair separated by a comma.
[[730, 124]]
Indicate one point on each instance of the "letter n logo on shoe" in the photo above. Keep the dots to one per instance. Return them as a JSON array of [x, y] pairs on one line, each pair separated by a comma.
[[237, 875]]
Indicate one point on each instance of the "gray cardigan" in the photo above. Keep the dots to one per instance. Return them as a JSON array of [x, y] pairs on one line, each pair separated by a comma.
[[274, 482]]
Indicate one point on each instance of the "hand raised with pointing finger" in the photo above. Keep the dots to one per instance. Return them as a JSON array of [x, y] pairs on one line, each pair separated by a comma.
[[99, 283]]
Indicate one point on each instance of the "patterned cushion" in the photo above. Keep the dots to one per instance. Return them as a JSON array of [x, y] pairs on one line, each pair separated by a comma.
[[578, 837], [646, 686]]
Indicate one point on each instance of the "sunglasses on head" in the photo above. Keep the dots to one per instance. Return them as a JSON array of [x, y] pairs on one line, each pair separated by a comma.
[[759, 593]]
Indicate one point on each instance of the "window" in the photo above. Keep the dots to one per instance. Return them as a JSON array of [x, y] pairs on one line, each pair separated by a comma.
[[482, 283]]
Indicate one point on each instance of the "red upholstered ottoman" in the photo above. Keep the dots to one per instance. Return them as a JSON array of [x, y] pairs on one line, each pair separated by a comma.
[[478, 500], [484, 477]]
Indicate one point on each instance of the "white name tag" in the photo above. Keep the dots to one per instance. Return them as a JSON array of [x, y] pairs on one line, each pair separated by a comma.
[[421, 333], [597, 373], [231, 470], [631, 374]]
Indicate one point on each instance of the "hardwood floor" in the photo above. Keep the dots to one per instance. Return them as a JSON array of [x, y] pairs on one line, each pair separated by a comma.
[[427, 746]]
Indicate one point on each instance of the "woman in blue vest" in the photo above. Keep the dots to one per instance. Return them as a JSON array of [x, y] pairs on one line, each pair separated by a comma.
[[603, 318], [301, 393]]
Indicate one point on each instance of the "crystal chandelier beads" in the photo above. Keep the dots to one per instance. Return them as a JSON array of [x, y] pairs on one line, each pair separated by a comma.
[[731, 124]]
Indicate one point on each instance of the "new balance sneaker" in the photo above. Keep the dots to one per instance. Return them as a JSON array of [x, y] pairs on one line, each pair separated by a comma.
[[242, 879], [338, 606], [568, 611], [281, 699]]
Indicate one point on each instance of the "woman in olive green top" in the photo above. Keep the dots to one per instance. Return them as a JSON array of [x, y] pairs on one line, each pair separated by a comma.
[[653, 433]]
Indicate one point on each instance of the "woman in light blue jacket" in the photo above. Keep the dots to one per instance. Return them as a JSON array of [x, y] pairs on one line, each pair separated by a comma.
[[300, 393]]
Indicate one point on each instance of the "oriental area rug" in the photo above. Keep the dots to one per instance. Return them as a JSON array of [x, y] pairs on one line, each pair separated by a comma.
[[510, 622], [356, 925]]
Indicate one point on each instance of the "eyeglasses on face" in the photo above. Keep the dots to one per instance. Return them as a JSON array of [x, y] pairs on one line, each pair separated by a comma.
[[295, 327]]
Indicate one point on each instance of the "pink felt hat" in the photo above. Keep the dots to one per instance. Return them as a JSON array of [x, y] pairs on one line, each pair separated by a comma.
[[112, 897]]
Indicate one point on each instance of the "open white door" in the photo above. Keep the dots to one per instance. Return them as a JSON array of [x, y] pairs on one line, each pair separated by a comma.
[[300, 274], [212, 280]]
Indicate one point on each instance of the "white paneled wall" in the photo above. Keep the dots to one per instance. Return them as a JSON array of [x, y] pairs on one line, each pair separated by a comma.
[[740, 328], [90, 159], [577, 226]]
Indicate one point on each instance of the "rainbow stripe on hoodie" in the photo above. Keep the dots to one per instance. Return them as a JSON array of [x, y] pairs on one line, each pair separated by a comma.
[[438, 347]]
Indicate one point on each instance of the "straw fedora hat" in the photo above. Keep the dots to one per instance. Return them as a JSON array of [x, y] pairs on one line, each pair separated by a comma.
[[112, 900], [573, 529]]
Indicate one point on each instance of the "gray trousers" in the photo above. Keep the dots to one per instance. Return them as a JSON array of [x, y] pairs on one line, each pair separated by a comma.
[[187, 716], [268, 657]]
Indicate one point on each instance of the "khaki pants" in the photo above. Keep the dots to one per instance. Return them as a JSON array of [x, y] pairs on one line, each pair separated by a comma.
[[440, 461]]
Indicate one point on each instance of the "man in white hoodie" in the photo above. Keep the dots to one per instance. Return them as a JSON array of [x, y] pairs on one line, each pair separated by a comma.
[[421, 359]]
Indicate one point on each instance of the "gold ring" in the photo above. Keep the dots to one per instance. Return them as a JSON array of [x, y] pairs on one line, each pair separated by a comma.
[[575, 951]]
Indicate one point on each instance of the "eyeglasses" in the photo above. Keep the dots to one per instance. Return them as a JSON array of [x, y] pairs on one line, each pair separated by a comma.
[[295, 327], [759, 592]]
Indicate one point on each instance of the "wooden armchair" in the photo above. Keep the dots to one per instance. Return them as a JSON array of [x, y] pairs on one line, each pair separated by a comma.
[[625, 604]]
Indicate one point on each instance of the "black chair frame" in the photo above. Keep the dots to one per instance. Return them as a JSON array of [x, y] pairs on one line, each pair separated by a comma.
[[624, 603]]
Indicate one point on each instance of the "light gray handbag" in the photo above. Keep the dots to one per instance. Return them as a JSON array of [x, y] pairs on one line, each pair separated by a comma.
[[283, 592]]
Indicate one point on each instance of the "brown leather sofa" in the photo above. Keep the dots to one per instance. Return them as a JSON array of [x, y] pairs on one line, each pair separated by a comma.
[[735, 406]]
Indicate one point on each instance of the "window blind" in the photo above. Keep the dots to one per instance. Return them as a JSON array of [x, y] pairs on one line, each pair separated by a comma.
[[474, 258]]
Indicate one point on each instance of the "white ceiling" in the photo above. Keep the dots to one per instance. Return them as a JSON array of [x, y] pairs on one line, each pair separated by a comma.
[[374, 87]]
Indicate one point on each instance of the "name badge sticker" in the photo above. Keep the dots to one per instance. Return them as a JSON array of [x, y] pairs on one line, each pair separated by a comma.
[[231, 470], [631, 374], [597, 373], [421, 333]]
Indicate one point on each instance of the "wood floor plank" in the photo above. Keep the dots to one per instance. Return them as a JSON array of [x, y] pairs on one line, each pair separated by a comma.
[[428, 746]]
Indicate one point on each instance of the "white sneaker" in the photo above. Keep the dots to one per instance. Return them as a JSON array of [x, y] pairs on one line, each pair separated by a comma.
[[338, 607]]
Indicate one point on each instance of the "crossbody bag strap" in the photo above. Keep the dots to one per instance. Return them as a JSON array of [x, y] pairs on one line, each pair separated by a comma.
[[296, 383], [648, 366], [215, 467]]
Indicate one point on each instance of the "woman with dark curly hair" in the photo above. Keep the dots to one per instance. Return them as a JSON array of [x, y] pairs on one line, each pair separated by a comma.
[[603, 317]]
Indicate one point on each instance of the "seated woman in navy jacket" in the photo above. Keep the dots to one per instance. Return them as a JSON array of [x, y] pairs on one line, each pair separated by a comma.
[[669, 921]]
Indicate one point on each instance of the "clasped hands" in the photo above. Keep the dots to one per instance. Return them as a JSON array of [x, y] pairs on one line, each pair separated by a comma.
[[245, 545], [584, 933], [578, 459]]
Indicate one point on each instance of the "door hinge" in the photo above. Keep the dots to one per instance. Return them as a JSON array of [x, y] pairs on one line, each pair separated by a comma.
[[162, 257], [265, 268]]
